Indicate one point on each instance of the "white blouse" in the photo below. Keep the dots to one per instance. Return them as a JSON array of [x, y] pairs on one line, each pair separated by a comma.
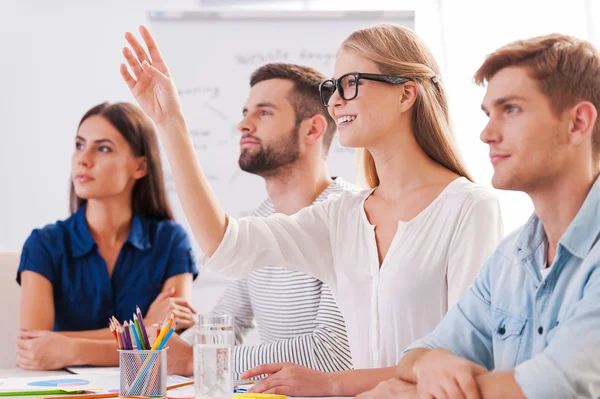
[[431, 262]]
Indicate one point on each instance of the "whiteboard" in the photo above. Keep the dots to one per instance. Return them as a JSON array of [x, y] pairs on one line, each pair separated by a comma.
[[211, 56]]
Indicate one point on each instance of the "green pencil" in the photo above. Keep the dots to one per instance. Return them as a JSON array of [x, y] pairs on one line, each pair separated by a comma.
[[139, 331]]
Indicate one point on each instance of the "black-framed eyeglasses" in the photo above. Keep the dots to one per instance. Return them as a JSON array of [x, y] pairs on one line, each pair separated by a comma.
[[347, 85]]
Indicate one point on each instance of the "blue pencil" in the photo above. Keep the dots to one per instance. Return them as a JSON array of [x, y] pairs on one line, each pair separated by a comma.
[[138, 344], [166, 338]]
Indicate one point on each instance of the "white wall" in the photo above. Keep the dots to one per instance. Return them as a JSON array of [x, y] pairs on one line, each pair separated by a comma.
[[60, 57], [56, 61], [468, 40]]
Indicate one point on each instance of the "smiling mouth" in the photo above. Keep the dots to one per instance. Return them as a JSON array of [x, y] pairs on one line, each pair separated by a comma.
[[346, 120]]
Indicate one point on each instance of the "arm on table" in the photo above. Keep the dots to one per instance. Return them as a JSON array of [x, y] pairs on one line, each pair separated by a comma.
[[294, 380]]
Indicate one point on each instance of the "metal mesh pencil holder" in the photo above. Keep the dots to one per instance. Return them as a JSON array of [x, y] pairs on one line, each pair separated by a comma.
[[143, 373]]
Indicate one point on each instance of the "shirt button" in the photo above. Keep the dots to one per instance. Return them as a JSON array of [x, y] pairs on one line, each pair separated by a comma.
[[541, 330], [501, 330]]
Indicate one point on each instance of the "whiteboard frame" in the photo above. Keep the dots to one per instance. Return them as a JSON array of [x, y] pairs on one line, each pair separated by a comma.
[[399, 16]]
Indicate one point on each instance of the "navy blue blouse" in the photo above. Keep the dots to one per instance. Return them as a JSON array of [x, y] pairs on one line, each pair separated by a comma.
[[85, 297]]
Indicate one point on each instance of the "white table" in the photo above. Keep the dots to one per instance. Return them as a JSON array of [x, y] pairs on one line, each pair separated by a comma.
[[17, 372]]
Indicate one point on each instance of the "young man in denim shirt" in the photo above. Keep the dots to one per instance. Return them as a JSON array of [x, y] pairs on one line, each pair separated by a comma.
[[529, 326]]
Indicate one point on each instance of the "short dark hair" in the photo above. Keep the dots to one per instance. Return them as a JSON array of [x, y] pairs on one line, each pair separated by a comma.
[[305, 95], [149, 196]]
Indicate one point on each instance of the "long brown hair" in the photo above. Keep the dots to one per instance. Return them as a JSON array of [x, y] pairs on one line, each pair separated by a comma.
[[397, 50], [149, 197]]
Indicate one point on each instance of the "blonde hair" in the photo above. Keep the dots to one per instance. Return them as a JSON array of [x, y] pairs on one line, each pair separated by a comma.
[[566, 69], [397, 50]]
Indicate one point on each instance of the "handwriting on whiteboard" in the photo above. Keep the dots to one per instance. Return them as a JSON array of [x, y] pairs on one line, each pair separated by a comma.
[[211, 92], [255, 58]]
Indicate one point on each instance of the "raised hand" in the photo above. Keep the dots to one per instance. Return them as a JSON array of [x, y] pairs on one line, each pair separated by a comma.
[[155, 92], [151, 83]]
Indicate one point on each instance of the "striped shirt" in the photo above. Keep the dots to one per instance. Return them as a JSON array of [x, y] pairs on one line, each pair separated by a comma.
[[296, 315]]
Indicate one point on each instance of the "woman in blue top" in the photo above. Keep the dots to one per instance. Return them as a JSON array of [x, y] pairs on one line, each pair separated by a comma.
[[120, 248]]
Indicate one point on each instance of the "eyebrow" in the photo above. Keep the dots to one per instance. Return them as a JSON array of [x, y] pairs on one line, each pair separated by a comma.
[[97, 141], [503, 100], [261, 105]]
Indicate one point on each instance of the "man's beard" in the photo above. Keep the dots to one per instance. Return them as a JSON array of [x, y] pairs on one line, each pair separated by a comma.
[[268, 159]]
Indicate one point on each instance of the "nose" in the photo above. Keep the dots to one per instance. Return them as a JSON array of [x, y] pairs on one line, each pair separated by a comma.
[[336, 100], [245, 126], [83, 158], [490, 133]]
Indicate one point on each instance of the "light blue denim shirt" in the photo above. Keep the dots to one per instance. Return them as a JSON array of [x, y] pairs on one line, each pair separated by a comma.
[[548, 330]]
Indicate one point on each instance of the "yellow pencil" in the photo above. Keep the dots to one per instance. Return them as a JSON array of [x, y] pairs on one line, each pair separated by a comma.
[[163, 332]]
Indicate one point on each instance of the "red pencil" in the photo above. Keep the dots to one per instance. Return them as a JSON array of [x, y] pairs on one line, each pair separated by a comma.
[[112, 329]]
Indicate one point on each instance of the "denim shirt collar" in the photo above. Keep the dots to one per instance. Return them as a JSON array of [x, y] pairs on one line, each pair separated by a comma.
[[578, 239]]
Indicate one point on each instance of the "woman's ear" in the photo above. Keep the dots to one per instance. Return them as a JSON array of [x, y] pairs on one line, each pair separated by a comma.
[[408, 95], [141, 169]]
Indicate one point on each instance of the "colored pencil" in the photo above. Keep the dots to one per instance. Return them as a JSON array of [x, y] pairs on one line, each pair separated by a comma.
[[160, 347], [115, 335], [113, 395], [139, 331], [128, 335], [123, 338], [119, 342], [136, 328], [143, 327], [164, 341], [143, 370], [163, 332], [138, 344]]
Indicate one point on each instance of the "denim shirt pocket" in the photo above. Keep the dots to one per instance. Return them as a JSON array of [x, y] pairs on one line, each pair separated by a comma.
[[507, 334]]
